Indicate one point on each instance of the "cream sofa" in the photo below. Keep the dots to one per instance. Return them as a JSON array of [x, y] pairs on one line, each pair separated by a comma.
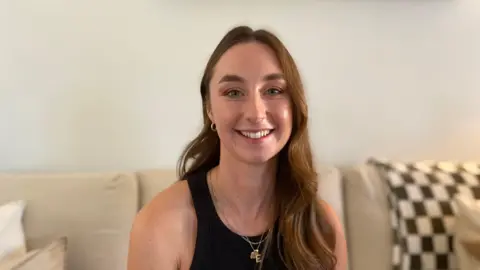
[[96, 210]]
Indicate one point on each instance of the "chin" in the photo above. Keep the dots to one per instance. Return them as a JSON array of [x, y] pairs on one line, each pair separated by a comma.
[[257, 157]]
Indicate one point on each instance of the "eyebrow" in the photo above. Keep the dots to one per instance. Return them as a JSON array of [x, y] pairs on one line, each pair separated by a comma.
[[236, 78]]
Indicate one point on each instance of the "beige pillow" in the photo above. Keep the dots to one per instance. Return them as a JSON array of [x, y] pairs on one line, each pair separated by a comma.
[[51, 257], [467, 232]]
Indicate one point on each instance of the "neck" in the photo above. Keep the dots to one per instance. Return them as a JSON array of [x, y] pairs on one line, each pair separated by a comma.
[[246, 189]]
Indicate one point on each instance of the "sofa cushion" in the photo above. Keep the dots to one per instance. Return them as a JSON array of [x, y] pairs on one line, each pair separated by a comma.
[[367, 224], [467, 232], [422, 209], [152, 181], [50, 257], [94, 211], [330, 189]]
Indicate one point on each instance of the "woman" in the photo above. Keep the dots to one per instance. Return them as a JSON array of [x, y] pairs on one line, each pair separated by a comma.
[[248, 199]]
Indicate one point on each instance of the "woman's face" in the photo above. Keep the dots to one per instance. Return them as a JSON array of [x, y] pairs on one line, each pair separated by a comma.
[[249, 103]]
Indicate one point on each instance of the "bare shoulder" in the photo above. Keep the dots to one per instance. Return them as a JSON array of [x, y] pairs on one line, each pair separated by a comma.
[[331, 216], [162, 230], [340, 241]]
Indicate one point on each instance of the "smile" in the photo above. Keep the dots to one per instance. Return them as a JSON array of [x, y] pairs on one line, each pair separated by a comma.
[[256, 134]]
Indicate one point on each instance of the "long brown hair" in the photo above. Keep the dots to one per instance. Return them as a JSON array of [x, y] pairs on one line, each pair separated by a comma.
[[308, 241]]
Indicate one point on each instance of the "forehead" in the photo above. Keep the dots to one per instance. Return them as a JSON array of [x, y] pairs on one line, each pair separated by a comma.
[[251, 61]]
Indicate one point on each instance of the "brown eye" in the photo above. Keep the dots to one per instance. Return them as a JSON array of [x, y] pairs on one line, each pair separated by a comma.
[[234, 93]]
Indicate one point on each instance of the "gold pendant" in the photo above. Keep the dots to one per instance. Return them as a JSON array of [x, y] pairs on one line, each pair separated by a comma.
[[255, 255]]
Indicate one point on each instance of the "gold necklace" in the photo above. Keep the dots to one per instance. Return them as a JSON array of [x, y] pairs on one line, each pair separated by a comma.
[[255, 254]]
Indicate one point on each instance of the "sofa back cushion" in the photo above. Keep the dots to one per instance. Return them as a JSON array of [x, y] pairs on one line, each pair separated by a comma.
[[366, 218], [153, 181], [467, 232], [94, 211]]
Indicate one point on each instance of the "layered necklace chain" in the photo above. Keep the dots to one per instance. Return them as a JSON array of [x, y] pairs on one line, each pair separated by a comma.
[[255, 245], [255, 254]]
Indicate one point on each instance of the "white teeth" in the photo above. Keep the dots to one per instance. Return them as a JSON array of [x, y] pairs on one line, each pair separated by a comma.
[[256, 135]]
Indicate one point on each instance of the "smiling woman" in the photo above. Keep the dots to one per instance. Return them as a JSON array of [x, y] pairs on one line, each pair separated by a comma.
[[249, 103], [248, 199]]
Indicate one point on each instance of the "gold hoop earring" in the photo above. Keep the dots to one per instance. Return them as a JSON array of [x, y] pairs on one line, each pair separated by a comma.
[[212, 127]]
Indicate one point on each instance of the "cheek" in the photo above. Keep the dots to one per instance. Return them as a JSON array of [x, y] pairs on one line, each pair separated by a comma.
[[223, 114], [283, 113]]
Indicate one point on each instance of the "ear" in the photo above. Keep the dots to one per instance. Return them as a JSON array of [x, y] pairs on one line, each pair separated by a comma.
[[208, 107]]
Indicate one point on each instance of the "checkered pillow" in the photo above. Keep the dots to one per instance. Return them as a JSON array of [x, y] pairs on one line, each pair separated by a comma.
[[422, 211]]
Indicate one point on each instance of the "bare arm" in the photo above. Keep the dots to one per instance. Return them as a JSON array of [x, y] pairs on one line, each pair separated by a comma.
[[146, 251], [158, 236], [150, 247], [340, 242]]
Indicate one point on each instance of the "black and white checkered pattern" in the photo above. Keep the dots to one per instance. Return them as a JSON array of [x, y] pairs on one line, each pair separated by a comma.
[[422, 211]]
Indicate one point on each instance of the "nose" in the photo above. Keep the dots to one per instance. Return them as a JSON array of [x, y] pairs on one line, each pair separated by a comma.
[[255, 109]]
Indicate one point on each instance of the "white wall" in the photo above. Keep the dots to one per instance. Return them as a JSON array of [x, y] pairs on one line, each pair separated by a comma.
[[99, 84]]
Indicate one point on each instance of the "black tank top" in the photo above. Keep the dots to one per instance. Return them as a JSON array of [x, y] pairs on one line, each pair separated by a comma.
[[217, 247]]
